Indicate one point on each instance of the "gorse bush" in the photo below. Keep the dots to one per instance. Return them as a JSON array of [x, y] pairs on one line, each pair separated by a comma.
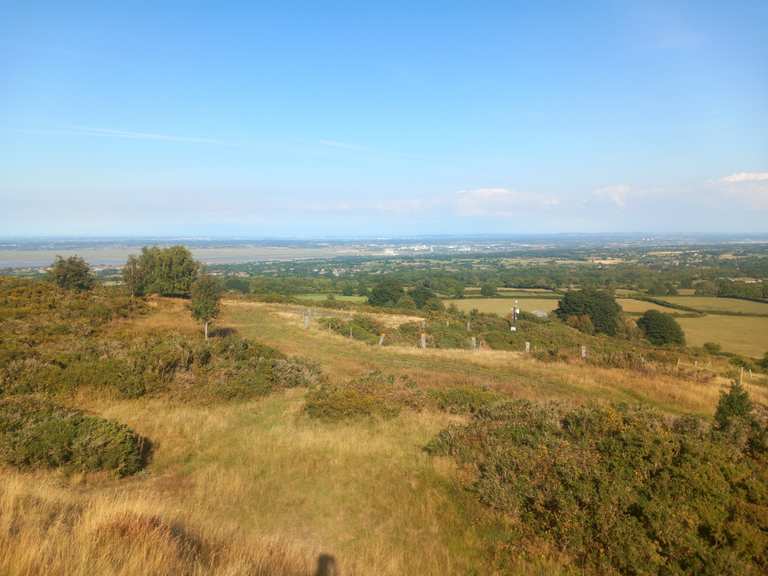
[[372, 395], [620, 490], [35, 434], [463, 400], [58, 341]]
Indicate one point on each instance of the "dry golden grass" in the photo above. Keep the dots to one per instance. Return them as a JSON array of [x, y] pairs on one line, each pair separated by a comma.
[[259, 488], [515, 373], [294, 314], [265, 476], [165, 314], [503, 306], [46, 528]]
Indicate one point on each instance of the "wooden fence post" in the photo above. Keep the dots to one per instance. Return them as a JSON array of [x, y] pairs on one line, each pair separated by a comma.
[[527, 347], [423, 340]]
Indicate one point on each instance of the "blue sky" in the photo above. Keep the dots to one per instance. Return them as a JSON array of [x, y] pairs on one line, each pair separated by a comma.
[[307, 119]]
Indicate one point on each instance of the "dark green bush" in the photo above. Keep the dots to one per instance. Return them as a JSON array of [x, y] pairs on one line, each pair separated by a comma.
[[359, 328], [661, 329], [601, 308], [619, 490], [712, 347], [36, 434], [386, 293]]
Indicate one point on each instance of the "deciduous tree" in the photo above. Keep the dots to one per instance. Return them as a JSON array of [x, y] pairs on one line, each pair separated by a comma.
[[206, 300]]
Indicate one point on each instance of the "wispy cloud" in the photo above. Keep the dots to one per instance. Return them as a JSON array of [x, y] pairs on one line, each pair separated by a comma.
[[748, 187], [128, 135], [500, 202], [341, 145], [616, 194], [741, 177]]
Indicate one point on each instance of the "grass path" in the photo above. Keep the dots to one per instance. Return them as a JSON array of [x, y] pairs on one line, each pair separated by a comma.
[[364, 492]]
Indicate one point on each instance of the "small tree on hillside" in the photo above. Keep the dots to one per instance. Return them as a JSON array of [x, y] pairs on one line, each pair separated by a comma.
[[736, 421], [734, 405], [489, 290], [660, 328], [206, 298], [72, 273]]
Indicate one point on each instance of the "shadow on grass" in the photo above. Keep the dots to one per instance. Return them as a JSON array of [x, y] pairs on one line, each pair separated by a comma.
[[327, 566]]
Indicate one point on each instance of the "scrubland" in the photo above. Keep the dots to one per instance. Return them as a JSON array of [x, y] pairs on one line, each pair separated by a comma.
[[258, 483]]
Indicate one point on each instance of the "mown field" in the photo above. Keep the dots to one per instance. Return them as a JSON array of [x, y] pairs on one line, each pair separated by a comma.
[[746, 335], [503, 306]]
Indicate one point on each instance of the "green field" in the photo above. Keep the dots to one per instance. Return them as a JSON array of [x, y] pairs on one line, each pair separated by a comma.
[[503, 306], [712, 304], [742, 335]]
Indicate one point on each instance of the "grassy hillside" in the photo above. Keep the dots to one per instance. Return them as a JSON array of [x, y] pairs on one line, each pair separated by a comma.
[[253, 483]]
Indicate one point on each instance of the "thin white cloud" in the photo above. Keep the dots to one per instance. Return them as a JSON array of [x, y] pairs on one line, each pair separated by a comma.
[[741, 177], [500, 202], [129, 135], [750, 188], [616, 194], [341, 145]]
